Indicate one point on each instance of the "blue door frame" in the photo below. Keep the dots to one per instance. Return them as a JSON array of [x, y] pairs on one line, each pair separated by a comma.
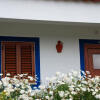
[[81, 45]]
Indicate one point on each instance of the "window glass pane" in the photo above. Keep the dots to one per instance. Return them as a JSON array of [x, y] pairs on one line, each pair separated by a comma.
[[96, 61]]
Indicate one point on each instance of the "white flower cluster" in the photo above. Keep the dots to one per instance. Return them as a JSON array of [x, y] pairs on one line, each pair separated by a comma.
[[17, 86], [71, 86]]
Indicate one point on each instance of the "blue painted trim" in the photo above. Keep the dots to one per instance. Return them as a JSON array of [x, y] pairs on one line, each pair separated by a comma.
[[36, 40], [81, 46]]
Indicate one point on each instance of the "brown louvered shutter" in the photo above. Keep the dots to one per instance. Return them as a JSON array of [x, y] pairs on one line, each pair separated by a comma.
[[9, 58], [27, 59], [18, 58]]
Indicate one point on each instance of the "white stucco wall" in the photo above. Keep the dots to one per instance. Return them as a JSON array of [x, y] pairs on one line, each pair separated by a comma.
[[50, 10], [69, 59], [50, 33]]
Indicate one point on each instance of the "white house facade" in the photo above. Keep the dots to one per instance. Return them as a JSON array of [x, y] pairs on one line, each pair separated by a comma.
[[45, 23]]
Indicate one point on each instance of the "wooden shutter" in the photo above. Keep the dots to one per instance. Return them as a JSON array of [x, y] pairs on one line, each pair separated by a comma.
[[18, 58], [27, 59], [9, 58]]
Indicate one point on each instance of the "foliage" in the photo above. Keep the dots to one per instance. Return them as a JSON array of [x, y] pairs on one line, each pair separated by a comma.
[[71, 86]]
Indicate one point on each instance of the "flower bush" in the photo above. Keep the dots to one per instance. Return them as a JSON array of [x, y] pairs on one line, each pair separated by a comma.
[[71, 86]]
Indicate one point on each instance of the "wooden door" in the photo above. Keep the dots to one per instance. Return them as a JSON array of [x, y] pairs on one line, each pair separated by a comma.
[[92, 59]]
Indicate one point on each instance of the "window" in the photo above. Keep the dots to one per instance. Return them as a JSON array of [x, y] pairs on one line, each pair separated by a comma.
[[18, 58], [20, 55]]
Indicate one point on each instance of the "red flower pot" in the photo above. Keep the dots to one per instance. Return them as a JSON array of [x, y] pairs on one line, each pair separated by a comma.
[[59, 46]]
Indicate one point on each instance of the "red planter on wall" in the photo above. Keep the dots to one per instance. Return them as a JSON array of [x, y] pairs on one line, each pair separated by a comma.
[[59, 46]]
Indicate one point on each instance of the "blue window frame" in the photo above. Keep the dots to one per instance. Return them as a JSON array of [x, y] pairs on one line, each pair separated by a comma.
[[81, 45], [37, 52]]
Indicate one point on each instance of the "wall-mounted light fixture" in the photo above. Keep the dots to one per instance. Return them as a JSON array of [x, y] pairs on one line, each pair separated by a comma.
[[59, 46]]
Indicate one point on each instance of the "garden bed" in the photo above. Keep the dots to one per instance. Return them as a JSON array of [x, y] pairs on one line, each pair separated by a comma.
[[71, 86]]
